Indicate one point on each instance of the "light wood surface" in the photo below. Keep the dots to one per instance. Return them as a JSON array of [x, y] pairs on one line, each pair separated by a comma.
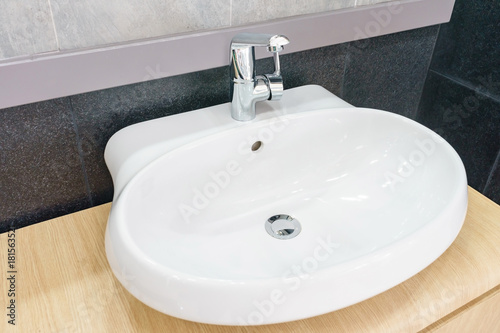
[[64, 284], [480, 315]]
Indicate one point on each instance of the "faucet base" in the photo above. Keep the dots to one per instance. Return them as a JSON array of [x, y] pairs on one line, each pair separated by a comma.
[[245, 94]]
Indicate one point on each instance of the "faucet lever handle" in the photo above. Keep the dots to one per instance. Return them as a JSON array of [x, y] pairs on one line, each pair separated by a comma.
[[276, 43], [275, 80], [277, 68]]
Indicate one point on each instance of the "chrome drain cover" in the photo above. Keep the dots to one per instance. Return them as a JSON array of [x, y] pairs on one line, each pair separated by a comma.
[[283, 226]]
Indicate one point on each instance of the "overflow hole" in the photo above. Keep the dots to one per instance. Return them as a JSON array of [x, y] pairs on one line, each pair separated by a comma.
[[256, 146]]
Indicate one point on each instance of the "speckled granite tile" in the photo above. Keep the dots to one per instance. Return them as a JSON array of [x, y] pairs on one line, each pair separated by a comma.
[[388, 72], [89, 23], [26, 27], [245, 12], [100, 114], [41, 175], [469, 46], [323, 66], [468, 120], [492, 188]]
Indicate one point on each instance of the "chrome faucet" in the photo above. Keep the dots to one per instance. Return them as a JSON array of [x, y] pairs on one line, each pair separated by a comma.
[[247, 88]]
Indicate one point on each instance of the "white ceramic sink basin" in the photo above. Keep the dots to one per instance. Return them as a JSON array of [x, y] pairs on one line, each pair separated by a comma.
[[359, 199]]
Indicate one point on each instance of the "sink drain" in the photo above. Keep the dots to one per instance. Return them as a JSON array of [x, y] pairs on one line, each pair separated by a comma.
[[283, 226]]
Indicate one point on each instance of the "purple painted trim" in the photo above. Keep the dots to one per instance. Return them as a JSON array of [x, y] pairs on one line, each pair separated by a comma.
[[59, 74]]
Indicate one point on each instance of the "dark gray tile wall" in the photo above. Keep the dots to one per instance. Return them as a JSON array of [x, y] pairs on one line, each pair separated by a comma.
[[461, 98], [41, 174], [469, 46], [385, 72], [468, 120], [389, 72], [492, 187]]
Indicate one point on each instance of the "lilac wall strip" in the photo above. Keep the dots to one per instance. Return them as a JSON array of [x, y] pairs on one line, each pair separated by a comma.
[[48, 76]]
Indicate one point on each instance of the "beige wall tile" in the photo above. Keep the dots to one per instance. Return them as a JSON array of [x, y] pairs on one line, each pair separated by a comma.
[[26, 28], [245, 12], [88, 23]]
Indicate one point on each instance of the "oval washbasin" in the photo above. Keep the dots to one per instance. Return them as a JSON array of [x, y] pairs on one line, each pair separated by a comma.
[[376, 198]]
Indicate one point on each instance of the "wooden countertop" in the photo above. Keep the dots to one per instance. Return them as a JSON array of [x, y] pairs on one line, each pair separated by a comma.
[[64, 284]]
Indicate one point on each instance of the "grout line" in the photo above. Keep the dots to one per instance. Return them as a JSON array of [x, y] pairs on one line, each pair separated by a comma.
[[347, 60], [80, 154], [496, 165], [54, 25], [419, 104], [469, 85], [230, 13]]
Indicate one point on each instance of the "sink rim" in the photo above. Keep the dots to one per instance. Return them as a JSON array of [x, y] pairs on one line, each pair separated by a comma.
[[202, 291], [333, 274], [138, 253]]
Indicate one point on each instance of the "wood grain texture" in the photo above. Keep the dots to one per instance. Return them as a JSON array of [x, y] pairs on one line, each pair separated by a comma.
[[64, 283], [480, 315]]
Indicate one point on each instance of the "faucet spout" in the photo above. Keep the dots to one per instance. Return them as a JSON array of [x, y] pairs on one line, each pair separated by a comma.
[[247, 88]]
